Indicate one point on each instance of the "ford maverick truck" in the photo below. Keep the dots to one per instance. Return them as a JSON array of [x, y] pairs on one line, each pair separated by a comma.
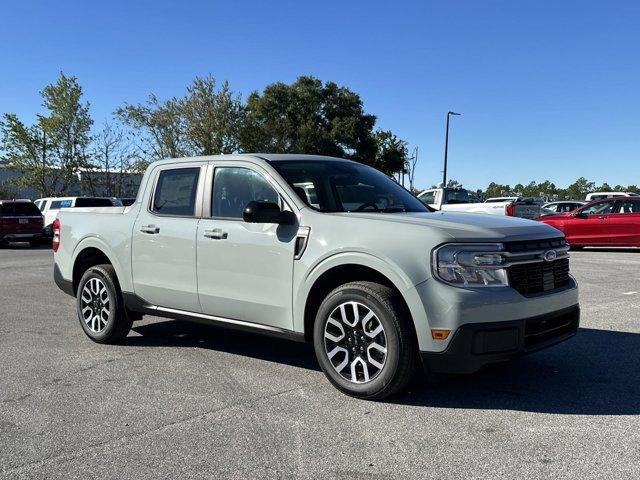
[[322, 250]]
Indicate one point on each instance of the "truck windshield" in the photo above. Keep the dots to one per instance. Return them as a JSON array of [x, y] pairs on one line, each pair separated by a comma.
[[345, 186], [452, 196]]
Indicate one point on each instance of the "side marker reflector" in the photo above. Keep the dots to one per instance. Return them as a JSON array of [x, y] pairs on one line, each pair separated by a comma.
[[440, 333]]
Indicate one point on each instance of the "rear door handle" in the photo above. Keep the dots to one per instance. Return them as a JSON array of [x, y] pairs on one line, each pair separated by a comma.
[[216, 234], [151, 229]]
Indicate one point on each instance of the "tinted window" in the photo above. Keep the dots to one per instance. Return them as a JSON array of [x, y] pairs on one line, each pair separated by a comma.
[[552, 208], [343, 186], [628, 206], [234, 187], [58, 204], [19, 209], [176, 191], [93, 202], [428, 197], [598, 208], [456, 196]]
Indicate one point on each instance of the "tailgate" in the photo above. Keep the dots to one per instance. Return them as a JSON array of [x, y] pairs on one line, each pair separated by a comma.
[[529, 210], [20, 224]]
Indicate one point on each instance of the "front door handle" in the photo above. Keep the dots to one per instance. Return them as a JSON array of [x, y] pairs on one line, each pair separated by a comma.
[[216, 234], [151, 229]]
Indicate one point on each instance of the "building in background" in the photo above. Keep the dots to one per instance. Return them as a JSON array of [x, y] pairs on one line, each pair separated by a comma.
[[95, 182]]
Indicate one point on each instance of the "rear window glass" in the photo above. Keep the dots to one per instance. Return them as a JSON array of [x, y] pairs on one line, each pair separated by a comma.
[[19, 209], [94, 202]]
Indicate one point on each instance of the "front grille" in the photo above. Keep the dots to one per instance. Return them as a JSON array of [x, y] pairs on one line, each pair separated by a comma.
[[541, 276]]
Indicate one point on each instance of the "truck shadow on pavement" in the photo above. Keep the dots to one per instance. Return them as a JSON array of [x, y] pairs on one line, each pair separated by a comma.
[[176, 333], [595, 373]]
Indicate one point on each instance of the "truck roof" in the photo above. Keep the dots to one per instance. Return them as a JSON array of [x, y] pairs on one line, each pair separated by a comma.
[[269, 157]]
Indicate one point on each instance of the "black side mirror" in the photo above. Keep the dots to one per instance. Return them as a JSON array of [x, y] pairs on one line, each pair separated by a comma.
[[267, 212], [579, 215]]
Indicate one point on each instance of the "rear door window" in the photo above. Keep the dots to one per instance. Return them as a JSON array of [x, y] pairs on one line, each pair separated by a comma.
[[58, 204], [176, 191], [627, 206]]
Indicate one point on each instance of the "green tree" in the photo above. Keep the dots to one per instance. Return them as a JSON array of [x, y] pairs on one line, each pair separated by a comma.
[[206, 121], [579, 189], [497, 190], [53, 150], [391, 153], [309, 117], [158, 127], [212, 118]]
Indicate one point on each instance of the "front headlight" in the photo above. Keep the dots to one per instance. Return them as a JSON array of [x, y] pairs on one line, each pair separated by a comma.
[[471, 265]]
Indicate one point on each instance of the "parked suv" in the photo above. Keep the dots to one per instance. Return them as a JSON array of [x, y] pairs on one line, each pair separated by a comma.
[[324, 250], [20, 221]]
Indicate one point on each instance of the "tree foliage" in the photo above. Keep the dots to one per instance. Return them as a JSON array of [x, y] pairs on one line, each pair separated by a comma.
[[52, 150], [309, 116]]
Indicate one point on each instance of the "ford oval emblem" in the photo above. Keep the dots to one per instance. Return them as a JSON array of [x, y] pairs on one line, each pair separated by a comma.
[[550, 255]]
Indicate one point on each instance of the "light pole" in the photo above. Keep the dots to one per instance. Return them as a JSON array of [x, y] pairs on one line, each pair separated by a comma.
[[446, 148]]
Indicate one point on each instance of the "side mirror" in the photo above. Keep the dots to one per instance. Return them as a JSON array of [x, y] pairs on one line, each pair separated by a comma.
[[267, 212], [579, 215]]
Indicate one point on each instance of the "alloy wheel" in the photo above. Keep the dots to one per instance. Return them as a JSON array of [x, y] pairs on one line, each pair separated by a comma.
[[355, 342], [95, 304]]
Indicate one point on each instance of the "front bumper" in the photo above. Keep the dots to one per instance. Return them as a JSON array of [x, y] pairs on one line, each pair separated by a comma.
[[475, 345]]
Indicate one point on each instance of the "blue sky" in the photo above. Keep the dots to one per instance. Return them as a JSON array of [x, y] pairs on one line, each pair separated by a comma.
[[547, 89]]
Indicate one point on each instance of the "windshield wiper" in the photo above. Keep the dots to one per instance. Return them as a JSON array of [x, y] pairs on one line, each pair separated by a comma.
[[393, 209]]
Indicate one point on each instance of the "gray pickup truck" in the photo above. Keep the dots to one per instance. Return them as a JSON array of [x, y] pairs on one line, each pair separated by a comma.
[[323, 250]]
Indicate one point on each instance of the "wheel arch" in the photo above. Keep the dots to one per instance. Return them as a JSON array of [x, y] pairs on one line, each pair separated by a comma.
[[89, 252], [338, 270]]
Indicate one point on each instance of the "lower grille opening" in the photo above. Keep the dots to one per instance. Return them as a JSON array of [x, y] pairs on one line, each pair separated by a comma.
[[542, 330]]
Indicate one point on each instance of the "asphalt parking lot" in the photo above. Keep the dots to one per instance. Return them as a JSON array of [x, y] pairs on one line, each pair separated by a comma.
[[180, 400]]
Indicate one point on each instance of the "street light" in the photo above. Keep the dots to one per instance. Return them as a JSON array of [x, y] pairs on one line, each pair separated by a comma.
[[446, 148]]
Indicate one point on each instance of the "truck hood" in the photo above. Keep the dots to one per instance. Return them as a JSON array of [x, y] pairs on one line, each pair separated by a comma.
[[469, 227]]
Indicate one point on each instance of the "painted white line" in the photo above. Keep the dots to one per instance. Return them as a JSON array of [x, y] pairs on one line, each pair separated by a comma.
[[629, 293]]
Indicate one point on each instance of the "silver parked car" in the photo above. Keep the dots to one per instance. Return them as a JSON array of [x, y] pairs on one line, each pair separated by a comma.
[[323, 250]]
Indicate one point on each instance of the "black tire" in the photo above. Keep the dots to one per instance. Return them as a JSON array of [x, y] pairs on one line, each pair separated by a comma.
[[400, 362], [117, 323]]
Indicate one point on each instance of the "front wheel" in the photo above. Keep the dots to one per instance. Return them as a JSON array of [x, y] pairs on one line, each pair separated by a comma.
[[100, 306], [364, 342]]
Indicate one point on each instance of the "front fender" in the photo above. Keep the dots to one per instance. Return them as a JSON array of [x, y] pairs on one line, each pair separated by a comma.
[[307, 279]]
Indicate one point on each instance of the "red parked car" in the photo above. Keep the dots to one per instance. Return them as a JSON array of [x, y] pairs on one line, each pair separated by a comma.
[[20, 221], [603, 223]]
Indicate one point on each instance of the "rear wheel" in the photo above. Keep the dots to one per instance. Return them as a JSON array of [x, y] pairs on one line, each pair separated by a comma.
[[100, 306], [364, 342]]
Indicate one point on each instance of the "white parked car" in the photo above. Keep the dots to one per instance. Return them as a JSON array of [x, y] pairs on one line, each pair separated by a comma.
[[601, 195], [50, 206], [458, 200]]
